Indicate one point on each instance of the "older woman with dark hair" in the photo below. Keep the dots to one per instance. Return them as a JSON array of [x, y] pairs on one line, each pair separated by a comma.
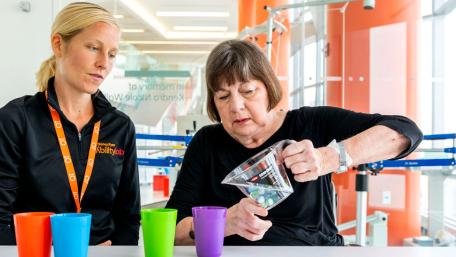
[[242, 95]]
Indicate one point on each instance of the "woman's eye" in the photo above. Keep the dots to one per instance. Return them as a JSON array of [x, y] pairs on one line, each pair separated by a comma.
[[112, 56], [223, 97], [249, 92], [93, 48]]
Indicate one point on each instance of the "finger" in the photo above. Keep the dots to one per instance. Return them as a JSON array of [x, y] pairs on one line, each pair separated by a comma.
[[254, 233], [106, 243], [292, 159], [302, 167], [258, 225], [292, 149], [261, 228], [308, 176], [255, 209], [296, 158], [252, 207], [250, 226], [247, 200], [309, 156], [250, 236], [297, 147]]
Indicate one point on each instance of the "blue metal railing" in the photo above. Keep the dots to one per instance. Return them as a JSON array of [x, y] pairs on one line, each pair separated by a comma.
[[168, 161]]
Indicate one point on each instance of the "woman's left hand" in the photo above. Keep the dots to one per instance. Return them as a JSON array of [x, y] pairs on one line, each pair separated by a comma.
[[106, 243], [304, 160]]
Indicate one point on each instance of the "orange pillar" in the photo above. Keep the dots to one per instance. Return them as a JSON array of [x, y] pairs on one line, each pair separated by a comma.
[[404, 219], [246, 14], [334, 59], [253, 11]]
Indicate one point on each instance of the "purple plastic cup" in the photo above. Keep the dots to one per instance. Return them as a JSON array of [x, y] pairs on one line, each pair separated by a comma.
[[209, 226]]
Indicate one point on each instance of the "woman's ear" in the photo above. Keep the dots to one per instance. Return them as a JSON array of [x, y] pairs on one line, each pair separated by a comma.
[[57, 45]]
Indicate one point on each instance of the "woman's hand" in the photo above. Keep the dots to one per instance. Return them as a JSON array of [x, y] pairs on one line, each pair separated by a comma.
[[106, 243], [308, 163], [241, 219]]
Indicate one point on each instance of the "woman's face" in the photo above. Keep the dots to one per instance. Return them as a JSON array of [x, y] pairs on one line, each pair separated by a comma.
[[243, 108], [86, 60]]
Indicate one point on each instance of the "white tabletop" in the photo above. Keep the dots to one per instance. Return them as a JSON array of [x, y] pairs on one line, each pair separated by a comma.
[[148, 196], [271, 251]]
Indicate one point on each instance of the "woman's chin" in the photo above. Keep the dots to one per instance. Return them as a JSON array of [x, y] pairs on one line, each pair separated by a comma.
[[91, 89], [244, 132]]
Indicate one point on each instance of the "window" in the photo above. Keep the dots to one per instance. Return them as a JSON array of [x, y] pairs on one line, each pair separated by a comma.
[[306, 66], [437, 92]]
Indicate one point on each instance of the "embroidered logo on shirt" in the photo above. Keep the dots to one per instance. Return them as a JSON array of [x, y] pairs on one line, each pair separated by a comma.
[[109, 148]]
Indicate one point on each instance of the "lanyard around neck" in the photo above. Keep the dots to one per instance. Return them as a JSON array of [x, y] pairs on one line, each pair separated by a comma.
[[67, 156]]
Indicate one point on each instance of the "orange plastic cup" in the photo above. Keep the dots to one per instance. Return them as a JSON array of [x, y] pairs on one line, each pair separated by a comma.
[[158, 182], [166, 186], [33, 234]]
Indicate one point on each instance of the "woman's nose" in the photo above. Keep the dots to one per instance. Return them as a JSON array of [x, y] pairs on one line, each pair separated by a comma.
[[102, 61], [237, 103]]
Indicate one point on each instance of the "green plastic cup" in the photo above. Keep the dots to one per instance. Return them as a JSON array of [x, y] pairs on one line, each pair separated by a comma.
[[159, 227]]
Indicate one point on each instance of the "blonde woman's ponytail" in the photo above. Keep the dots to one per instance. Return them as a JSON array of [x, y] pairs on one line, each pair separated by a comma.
[[46, 71]]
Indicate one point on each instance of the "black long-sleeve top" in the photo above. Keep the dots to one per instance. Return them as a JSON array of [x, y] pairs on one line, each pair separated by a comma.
[[33, 176], [306, 216]]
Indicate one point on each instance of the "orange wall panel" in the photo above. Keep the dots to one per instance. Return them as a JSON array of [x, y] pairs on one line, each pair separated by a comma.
[[356, 88], [402, 222]]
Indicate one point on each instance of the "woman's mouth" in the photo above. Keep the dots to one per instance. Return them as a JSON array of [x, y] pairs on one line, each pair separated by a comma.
[[96, 77], [241, 121]]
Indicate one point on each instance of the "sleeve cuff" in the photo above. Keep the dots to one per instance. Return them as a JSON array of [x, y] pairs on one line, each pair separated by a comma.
[[407, 129]]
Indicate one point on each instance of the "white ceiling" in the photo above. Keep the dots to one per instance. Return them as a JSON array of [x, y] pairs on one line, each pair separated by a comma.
[[132, 20]]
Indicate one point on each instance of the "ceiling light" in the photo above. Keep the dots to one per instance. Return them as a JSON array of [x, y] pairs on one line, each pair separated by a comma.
[[133, 30], [170, 42], [174, 52], [142, 12], [192, 14], [201, 28], [200, 35], [118, 16]]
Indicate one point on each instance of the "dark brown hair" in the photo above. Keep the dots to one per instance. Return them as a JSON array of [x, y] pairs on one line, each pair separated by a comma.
[[239, 61]]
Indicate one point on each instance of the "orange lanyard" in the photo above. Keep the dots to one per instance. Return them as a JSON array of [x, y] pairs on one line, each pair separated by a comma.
[[67, 156]]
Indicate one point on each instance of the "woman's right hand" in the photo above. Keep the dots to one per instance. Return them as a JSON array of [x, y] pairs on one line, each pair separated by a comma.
[[241, 219]]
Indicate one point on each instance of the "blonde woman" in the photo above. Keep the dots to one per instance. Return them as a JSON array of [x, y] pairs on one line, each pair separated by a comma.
[[66, 149]]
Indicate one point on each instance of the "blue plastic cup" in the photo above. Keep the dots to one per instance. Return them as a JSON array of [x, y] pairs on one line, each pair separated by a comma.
[[70, 234]]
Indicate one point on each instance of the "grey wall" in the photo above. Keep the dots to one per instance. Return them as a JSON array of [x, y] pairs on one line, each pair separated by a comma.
[[24, 44]]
